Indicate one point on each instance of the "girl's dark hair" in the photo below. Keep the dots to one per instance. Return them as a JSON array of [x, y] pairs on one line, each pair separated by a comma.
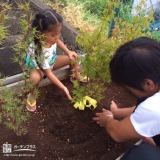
[[136, 61], [45, 21]]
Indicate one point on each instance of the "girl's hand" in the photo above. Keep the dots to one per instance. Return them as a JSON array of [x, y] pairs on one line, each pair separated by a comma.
[[72, 54], [67, 93], [102, 117]]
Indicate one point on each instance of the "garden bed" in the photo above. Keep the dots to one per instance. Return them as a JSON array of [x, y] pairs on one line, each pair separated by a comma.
[[60, 132]]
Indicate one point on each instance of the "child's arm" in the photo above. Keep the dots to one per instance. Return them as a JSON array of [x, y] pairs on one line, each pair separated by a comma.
[[120, 112], [56, 81], [61, 45]]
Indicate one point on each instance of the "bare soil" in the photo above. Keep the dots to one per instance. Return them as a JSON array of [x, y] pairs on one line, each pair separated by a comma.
[[60, 132]]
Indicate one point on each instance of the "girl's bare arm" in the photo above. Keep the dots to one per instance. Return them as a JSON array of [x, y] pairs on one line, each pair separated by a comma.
[[57, 82], [62, 46]]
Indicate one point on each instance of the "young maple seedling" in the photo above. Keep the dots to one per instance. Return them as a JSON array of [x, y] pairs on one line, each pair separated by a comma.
[[100, 48], [12, 101]]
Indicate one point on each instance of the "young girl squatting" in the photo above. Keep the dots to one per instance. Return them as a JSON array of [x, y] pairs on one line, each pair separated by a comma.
[[48, 25]]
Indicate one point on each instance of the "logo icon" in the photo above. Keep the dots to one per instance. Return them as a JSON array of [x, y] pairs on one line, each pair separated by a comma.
[[7, 148]]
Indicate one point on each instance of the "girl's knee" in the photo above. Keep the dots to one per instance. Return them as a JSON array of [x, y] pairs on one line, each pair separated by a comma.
[[35, 79], [36, 76]]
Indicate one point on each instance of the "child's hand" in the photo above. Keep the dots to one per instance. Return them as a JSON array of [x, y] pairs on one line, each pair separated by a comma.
[[67, 93], [72, 54]]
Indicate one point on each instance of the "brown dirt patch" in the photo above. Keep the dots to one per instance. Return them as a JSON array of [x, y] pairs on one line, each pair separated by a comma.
[[61, 132]]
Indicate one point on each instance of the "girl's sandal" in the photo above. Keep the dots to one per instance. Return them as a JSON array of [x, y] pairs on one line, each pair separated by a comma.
[[30, 106]]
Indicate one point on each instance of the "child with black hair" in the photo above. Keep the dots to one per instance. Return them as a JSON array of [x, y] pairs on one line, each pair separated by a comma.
[[42, 56], [136, 65]]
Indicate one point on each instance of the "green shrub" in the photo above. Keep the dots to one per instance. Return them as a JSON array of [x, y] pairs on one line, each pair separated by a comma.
[[95, 7], [155, 35], [3, 17], [125, 11]]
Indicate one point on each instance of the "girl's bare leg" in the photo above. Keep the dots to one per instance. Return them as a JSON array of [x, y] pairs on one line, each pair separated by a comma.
[[35, 78], [63, 60]]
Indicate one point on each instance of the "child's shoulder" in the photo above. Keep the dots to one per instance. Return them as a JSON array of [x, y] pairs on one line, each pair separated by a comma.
[[31, 48], [52, 48], [54, 45], [31, 45]]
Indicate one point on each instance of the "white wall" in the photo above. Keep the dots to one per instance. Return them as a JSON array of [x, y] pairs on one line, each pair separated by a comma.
[[154, 4]]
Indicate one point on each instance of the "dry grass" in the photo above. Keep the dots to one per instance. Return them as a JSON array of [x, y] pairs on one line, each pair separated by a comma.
[[74, 15]]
